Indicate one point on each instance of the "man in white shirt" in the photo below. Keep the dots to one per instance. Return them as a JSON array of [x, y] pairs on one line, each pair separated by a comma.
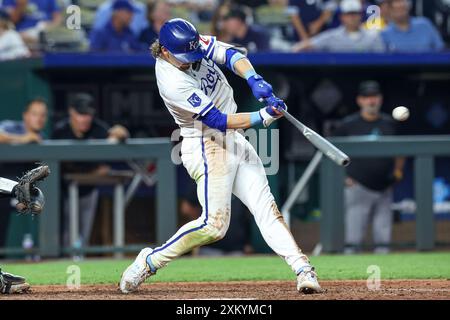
[[11, 44], [350, 37]]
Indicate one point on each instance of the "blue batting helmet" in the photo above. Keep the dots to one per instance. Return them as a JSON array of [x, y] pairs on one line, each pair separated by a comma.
[[181, 39]]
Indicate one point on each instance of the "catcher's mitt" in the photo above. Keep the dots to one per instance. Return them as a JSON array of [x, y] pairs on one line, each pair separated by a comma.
[[10, 283], [30, 198]]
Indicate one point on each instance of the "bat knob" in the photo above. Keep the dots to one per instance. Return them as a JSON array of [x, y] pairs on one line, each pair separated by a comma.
[[346, 162]]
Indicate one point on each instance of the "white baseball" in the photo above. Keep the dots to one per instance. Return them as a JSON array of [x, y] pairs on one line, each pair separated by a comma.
[[400, 113]]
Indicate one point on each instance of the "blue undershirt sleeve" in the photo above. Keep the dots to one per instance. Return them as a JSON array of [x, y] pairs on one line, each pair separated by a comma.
[[215, 119], [232, 56]]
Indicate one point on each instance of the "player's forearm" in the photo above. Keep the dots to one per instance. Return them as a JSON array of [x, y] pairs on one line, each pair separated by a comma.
[[10, 138], [325, 17], [246, 120], [243, 67], [299, 27], [239, 121]]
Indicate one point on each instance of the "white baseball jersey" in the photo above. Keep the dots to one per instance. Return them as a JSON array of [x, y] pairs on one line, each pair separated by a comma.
[[220, 167], [192, 93]]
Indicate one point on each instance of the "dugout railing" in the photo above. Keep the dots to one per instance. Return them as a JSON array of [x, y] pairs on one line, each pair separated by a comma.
[[54, 153], [423, 150]]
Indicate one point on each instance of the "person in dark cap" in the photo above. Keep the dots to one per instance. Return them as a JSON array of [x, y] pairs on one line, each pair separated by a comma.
[[83, 125], [117, 35], [11, 43], [368, 191], [253, 37]]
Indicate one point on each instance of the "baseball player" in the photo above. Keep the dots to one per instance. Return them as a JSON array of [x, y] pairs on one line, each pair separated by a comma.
[[30, 199], [220, 160]]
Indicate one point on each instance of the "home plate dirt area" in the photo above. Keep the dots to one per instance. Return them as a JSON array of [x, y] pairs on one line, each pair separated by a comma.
[[243, 290]]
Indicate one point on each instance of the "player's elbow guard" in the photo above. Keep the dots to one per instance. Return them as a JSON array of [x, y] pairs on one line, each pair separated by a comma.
[[215, 119]]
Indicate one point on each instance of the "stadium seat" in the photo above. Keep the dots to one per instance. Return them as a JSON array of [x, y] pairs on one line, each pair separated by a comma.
[[87, 18], [90, 4], [60, 39]]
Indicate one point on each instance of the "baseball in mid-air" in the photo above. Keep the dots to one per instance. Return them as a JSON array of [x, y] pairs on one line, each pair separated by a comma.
[[400, 113]]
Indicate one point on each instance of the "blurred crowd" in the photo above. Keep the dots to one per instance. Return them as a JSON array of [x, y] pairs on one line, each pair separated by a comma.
[[32, 26]]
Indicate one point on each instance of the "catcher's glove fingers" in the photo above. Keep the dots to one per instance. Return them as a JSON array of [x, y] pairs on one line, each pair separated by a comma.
[[35, 175], [21, 207]]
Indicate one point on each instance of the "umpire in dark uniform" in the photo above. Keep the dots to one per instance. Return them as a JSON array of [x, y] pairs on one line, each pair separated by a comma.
[[368, 190]]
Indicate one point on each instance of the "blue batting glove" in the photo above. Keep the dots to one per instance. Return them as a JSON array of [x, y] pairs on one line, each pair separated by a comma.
[[268, 114], [260, 88], [274, 102]]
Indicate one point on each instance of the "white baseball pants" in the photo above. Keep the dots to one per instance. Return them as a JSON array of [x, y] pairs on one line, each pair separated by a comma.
[[222, 165]]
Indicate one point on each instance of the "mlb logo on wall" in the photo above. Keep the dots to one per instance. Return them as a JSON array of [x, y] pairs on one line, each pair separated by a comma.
[[195, 100]]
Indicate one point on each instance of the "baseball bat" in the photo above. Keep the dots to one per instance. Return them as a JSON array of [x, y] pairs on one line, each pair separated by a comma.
[[318, 141]]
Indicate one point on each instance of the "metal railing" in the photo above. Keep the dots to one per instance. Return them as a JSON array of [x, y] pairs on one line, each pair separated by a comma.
[[54, 152], [422, 148]]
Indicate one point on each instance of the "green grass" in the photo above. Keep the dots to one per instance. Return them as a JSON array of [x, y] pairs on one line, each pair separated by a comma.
[[329, 267]]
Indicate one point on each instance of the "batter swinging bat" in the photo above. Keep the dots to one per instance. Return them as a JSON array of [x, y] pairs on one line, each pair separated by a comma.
[[317, 140]]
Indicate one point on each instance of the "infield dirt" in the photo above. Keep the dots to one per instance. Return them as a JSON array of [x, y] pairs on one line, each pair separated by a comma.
[[260, 290]]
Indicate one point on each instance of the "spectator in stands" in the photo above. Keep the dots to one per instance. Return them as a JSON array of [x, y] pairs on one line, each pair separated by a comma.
[[28, 130], [309, 17], [253, 37], [105, 11], [31, 17], [378, 23], [11, 44], [218, 20], [410, 34], [350, 37], [158, 12], [83, 125], [368, 191], [117, 36]]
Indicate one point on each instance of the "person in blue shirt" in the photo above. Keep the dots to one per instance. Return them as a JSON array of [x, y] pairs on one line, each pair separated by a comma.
[[158, 12], [409, 34], [253, 37], [105, 10], [309, 17], [29, 130], [27, 14], [117, 35]]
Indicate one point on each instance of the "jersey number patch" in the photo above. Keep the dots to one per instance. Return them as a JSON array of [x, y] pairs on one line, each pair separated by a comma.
[[194, 100]]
